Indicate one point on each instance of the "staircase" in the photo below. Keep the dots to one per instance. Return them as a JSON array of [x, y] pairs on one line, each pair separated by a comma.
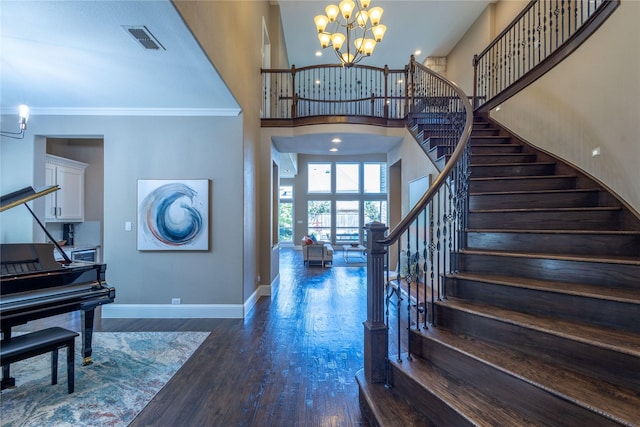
[[541, 325]]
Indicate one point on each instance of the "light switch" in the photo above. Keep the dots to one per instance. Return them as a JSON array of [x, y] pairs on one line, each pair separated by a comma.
[[127, 226]]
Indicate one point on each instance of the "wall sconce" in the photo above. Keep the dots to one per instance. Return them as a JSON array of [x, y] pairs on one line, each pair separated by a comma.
[[23, 113]]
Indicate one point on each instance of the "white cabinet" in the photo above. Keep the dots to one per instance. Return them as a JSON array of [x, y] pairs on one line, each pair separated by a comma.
[[66, 204]]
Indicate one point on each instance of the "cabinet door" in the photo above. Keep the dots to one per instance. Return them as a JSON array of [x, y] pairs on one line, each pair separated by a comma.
[[50, 199], [70, 197]]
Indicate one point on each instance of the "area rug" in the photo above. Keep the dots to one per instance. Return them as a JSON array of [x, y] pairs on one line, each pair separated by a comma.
[[128, 370]]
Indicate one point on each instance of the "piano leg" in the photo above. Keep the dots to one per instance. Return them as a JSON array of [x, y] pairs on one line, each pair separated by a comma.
[[87, 335], [7, 381]]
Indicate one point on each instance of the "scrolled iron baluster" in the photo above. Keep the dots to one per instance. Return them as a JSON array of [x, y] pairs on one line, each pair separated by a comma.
[[445, 233], [556, 14], [424, 269], [438, 240], [562, 20], [390, 291]]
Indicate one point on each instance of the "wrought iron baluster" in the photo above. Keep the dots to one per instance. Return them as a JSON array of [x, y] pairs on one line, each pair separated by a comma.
[[425, 254]]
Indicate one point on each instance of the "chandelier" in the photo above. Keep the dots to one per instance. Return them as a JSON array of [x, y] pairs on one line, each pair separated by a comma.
[[350, 22]]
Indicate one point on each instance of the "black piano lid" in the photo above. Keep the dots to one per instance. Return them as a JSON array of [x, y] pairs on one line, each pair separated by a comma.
[[24, 195]]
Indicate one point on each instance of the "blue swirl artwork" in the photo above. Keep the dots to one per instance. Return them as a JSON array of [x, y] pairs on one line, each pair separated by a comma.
[[173, 215]]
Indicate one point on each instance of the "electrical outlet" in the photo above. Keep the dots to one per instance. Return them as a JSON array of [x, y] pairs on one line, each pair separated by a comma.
[[127, 226], [595, 152], [176, 301]]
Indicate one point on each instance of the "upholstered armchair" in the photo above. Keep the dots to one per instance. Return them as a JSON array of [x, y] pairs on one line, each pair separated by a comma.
[[317, 252]]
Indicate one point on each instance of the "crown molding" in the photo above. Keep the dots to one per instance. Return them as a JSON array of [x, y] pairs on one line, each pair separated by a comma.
[[180, 112]]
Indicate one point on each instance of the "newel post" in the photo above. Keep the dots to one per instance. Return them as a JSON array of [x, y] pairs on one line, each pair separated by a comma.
[[475, 80], [294, 103], [376, 341], [386, 92]]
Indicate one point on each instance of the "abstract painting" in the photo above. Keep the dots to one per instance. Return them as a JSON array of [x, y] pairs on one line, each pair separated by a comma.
[[173, 215]]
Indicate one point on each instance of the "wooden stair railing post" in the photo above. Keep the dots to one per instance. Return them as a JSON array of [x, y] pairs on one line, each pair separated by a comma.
[[386, 92], [412, 71], [475, 81], [376, 334], [406, 90], [294, 104], [373, 104]]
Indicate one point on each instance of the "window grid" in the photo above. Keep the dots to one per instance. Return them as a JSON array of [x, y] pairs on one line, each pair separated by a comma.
[[359, 196]]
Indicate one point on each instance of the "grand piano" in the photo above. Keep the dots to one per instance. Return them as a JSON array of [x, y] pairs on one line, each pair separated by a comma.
[[34, 285]]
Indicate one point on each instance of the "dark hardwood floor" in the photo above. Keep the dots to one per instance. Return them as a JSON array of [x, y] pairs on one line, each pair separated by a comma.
[[291, 362]]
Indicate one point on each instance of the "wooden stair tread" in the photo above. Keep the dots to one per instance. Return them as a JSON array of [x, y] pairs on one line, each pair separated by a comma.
[[589, 291], [531, 192], [479, 408], [501, 154], [552, 231], [619, 402], [616, 340], [562, 257], [482, 165], [388, 408], [493, 178], [573, 209], [507, 144], [490, 136]]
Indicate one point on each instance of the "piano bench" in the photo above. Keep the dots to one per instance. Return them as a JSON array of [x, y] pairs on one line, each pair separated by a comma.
[[35, 343]]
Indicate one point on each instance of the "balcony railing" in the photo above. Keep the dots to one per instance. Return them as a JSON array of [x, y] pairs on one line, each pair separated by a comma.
[[333, 90], [543, 34]]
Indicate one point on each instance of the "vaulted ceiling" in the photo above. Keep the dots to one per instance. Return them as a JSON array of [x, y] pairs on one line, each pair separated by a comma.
[[80, 57]]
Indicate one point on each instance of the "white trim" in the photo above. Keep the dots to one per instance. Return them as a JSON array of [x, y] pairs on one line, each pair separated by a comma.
[[188, 112], [172, 311], [262, 291], [185, 311]]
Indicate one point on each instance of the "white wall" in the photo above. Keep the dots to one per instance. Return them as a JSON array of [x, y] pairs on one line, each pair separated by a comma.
[[16, 172], [589, 100], [460, 59], [241, 73], [150, 148], [415, 164]]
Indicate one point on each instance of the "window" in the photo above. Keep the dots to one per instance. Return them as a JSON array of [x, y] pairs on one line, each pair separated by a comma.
[[285, 217], [375, 178], [286, 221], [286, 192], [319, 219], [375, 210], [343, 197], [347, 221], [347, 177], [319, 177]]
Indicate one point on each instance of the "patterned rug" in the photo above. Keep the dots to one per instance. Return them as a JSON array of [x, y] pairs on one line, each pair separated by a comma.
[[128, 369]]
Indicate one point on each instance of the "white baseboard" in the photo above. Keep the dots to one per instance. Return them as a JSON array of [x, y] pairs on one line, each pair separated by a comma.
[[172, 311], [185, 311], [262, 291]]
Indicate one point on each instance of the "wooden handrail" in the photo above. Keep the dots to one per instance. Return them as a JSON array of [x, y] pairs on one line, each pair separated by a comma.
[[394, 235]]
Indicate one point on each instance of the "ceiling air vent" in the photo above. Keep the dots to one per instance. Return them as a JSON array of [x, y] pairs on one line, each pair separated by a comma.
[[144, 37]]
